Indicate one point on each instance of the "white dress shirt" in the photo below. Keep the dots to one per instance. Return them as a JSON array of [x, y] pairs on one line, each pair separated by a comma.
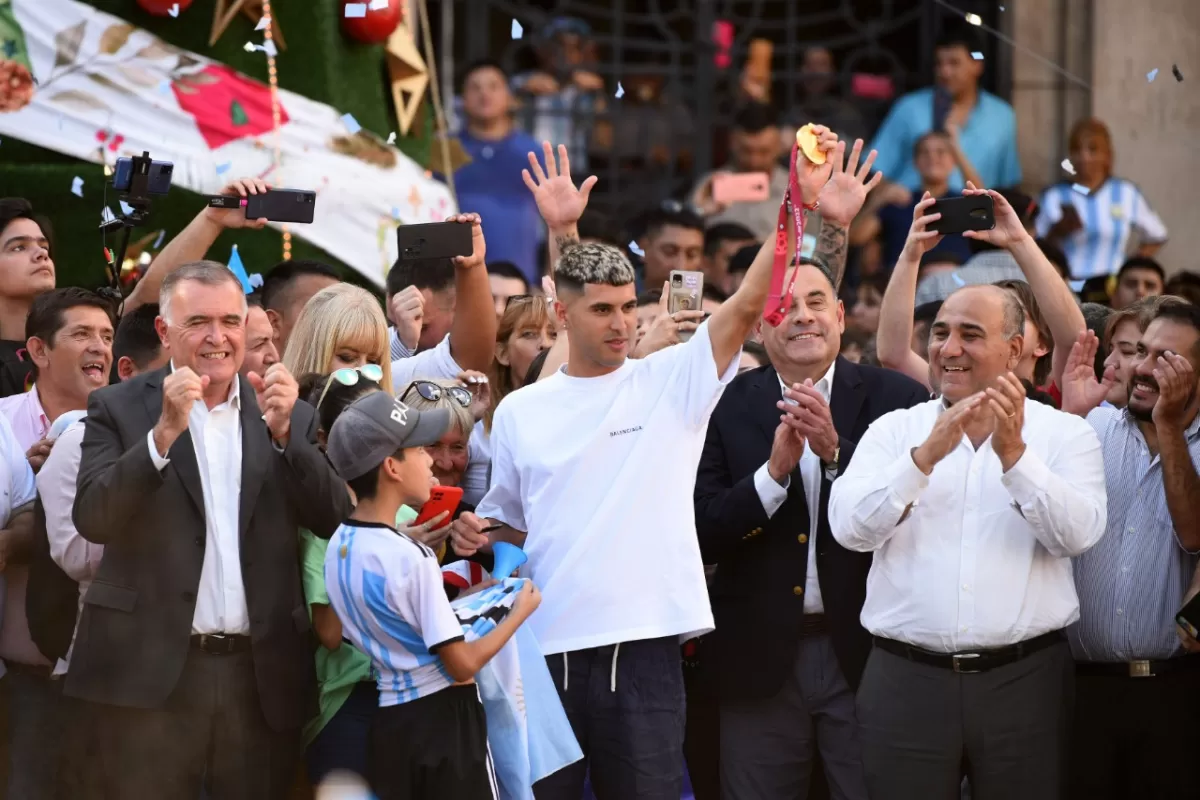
[[217, 439], [56, 481], [969, 556], [16, 490], [772, 495]]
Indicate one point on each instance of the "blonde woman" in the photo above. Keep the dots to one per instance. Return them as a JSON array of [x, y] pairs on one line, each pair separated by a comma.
[[341, 326]]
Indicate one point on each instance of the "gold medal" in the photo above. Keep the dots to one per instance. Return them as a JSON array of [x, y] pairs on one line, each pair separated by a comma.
[[806, 140]]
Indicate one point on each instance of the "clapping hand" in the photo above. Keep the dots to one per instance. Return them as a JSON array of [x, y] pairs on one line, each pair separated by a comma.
[[920, 239], [843, 195], [236, 217], [1006, 399], [1008, 231], [560, 203], [1081, 392], [277, 393], [808, 414], [948, 432], [1176, 386]]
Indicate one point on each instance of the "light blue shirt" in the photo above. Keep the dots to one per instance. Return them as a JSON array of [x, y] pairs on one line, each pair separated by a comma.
[[989, 140]]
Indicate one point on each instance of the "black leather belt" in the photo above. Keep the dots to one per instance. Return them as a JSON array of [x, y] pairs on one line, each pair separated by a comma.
[[220, 644], [1139, 669], [970, 662], [813, 625]]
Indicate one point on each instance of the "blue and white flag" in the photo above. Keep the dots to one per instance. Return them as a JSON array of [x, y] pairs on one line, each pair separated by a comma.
[[528, 731]]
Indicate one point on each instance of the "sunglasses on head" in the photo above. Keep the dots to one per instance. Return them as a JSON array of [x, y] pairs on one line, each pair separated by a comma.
[[516, 298], [349, 376], [434, 393]]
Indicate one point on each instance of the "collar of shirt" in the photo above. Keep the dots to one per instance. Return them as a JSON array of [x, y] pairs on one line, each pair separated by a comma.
[[824, 386], [235, 390], [26, 417], [1189, 433]]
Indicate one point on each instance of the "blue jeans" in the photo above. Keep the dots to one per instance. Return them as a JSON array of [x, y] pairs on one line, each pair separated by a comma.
[[342, 743], [627, 709]]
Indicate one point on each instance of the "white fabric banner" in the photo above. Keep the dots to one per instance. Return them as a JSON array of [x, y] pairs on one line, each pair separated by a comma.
[[106, 89]]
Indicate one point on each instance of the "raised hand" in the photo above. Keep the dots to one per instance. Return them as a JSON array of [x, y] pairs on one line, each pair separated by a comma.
[[1006, 399], [1176, 385], [236, 217], [810, 177], [843, 195], [666, 328], [920, 239], [181, 390], [948, 432], [408, 313], [1008, 231], [478, 245], [1081, 392], [560, 203], [277, 392]]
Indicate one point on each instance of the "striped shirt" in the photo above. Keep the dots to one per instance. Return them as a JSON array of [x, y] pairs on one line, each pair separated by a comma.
[[1132, 582], [387, 591], [1110, 216]]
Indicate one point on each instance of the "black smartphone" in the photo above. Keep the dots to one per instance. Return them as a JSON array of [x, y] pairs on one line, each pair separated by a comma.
[[1189, 617], [941, 108], [158, 179], [433, 240], [970, 213], [282, 205]]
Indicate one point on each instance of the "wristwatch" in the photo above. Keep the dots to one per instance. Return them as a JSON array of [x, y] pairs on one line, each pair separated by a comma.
[[832, 465]]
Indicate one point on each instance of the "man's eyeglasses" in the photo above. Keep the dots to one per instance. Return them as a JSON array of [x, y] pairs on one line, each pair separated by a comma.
[[349, 376], [434, 392]]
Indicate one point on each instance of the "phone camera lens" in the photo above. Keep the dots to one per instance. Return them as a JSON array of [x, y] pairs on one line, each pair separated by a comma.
[[677, 280]]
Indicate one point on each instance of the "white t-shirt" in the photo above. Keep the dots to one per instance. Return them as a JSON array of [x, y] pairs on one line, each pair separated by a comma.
[[600, 473], [387, 591], [436, 362]]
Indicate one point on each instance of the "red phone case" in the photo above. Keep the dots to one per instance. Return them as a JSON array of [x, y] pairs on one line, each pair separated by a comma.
[[441, 498]]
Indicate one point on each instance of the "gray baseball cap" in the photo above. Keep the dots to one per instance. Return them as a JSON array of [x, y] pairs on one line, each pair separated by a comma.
[[376, 426]]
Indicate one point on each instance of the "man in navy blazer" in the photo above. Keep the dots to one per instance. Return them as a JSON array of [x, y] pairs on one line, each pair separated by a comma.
[[788, 650]]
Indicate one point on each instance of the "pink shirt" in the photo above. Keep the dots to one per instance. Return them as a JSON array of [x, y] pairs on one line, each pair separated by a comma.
[[29, 424]]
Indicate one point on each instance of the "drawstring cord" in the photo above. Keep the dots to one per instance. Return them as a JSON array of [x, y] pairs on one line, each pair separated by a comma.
[[612, 679], [566, 673]]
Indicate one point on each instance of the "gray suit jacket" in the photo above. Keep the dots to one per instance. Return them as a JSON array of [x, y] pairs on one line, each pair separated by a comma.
[[133, 634]]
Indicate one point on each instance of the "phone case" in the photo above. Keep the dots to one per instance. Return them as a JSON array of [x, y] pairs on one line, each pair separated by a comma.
[[433, 240], [1189, 617], [685, 293], [282, 205], [441, 498], [971, 213], [748, 187]]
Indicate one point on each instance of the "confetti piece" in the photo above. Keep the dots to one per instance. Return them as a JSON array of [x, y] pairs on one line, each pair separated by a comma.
[[256, 281], [1175, 71], [223, 168], [108, 171], [1076, 286], [158, 242], [269, 48], [126, 209], [263, 24], [1151, 75], [395, 212], [620, 91], [1081, 189], [517, 30], [351, 123], [1068, 167], [392, 137], [174, 10], [106, 216], [379, 5], [356, 10], [249, 47], [978, 56], [77, 186], [637, 251], [974, 19]]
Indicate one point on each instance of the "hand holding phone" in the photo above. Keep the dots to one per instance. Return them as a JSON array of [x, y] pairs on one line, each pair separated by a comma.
[[960, 214], [433, 240], [740, 187], [441, 499]]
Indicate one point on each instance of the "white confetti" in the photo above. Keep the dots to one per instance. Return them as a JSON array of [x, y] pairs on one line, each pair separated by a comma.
[[269, 48], [1081, 189], [1068, 167], [1151, 75], [379, 5], [978, 56], [351, 123], [106, 216], [223, 168], [392, 137], [395, 212], [249, 47], [637, 251], [126, 209], [174, 10], [517, 30], [620, 91], [77, 186], [158, 242], [263, 23], [974, 19], [356, 10]]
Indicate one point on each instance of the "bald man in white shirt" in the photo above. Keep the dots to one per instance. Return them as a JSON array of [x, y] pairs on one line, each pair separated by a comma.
[[973, 505]]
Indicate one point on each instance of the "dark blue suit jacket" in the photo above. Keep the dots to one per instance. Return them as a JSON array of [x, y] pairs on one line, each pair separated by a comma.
[[760, 560]]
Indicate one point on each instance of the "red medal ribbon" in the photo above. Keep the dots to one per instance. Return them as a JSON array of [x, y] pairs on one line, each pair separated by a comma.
[[779, 300]]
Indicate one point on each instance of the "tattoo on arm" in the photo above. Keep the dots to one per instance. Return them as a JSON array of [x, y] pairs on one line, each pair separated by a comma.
[[831, 248]]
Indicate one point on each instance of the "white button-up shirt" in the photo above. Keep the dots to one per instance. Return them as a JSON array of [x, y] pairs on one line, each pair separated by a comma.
[[217, 440], [971, 557], [772, 496], [16, 489]]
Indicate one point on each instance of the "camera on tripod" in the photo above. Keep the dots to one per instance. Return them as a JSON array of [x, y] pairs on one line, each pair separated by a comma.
[[136, 180]]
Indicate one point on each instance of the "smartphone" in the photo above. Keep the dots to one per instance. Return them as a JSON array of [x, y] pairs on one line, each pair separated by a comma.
[[158, 181], [441, 498], [685, 292], [1189, 617], [941, 108], [433, 240], [970, 213], [741, 187], [282, 205]]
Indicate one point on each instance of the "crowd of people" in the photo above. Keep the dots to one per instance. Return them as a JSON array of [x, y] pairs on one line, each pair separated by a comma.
[[916, 526]]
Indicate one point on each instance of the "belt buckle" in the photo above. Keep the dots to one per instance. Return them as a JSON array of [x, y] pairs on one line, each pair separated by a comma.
[[1140, 669], [956, 661], [214, 643]]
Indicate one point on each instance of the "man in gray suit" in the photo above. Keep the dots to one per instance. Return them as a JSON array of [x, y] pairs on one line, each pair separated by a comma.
[[194, 644]]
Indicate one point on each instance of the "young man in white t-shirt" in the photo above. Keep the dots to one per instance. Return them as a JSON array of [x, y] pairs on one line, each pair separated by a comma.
[[593, 470], [429, 736]]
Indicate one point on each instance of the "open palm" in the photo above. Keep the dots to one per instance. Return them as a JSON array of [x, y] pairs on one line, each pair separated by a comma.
[[843, 195], [1081, 392], [560, 203]]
